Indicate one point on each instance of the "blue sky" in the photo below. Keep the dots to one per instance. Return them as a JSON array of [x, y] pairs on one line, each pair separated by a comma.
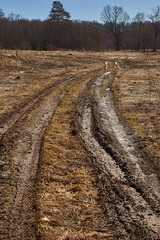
[[79, 9]]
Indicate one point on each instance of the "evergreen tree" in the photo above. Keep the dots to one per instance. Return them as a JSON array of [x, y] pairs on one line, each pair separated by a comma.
[[57, 13]]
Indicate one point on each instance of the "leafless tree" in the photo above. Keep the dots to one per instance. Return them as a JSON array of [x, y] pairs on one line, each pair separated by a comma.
[[146, 36], [155, 19], [2, 14], [115, 19], [19, 33], [139, 19], [14, 17]]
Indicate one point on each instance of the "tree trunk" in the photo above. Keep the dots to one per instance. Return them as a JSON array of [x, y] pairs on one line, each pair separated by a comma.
[[117, 44], [155, 39], [139, 37]]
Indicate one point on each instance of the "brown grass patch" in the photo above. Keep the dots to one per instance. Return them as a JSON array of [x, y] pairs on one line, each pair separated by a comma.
[[25, 73], [68, 198], [136, 87]]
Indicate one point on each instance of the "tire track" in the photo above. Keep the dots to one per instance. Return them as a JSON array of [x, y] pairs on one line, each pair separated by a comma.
[[30, 104], [132, 192], [21, 138]]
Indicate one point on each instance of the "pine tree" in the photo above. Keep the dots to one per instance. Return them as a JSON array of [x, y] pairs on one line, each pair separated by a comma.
[[57, 13]]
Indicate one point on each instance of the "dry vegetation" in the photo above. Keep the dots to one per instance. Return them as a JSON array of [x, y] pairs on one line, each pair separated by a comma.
[[25, 73], [137, 88], [69, 200]]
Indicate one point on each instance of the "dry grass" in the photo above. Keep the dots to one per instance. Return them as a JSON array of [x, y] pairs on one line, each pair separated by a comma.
[[137, 87], [68, 198], [68, 195], [25, 73]]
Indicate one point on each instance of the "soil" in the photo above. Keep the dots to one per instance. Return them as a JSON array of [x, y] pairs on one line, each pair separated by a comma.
[[28, 111], [132, 190], [20, 147], [43, 145], [68, 198]]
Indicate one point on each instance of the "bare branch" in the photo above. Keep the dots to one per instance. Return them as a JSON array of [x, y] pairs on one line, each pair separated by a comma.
[[116, 19]]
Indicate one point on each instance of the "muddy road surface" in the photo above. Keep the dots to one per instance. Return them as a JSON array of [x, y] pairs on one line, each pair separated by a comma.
[[20, 143], [131, 186]]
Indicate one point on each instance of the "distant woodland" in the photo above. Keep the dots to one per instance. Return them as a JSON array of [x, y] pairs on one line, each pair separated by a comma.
[[117, 31]]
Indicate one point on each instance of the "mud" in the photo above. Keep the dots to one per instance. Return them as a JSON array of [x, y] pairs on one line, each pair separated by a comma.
[[130, 186], [132, 191], [21, 136]]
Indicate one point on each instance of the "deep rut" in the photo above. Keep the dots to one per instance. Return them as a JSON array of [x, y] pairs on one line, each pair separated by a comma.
[[20, 144], [132, 190]]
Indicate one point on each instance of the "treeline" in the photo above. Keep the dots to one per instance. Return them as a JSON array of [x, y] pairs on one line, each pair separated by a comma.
[[48, 35], [19, 33]]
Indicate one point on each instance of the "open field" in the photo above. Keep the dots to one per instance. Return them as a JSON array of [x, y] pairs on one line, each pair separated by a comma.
[[79, 140]]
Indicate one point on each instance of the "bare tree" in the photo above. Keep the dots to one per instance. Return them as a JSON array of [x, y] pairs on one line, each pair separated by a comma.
[[146, 36], [139, 19], [14, 17], [155, 19], [116, 19], [61, 33], [2, 14]]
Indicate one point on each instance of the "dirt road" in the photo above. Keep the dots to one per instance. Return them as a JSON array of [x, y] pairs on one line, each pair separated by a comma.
[[132, 187], [21, 137]]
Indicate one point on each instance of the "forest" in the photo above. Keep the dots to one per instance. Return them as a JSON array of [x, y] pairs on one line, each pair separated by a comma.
[[116, 31]]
